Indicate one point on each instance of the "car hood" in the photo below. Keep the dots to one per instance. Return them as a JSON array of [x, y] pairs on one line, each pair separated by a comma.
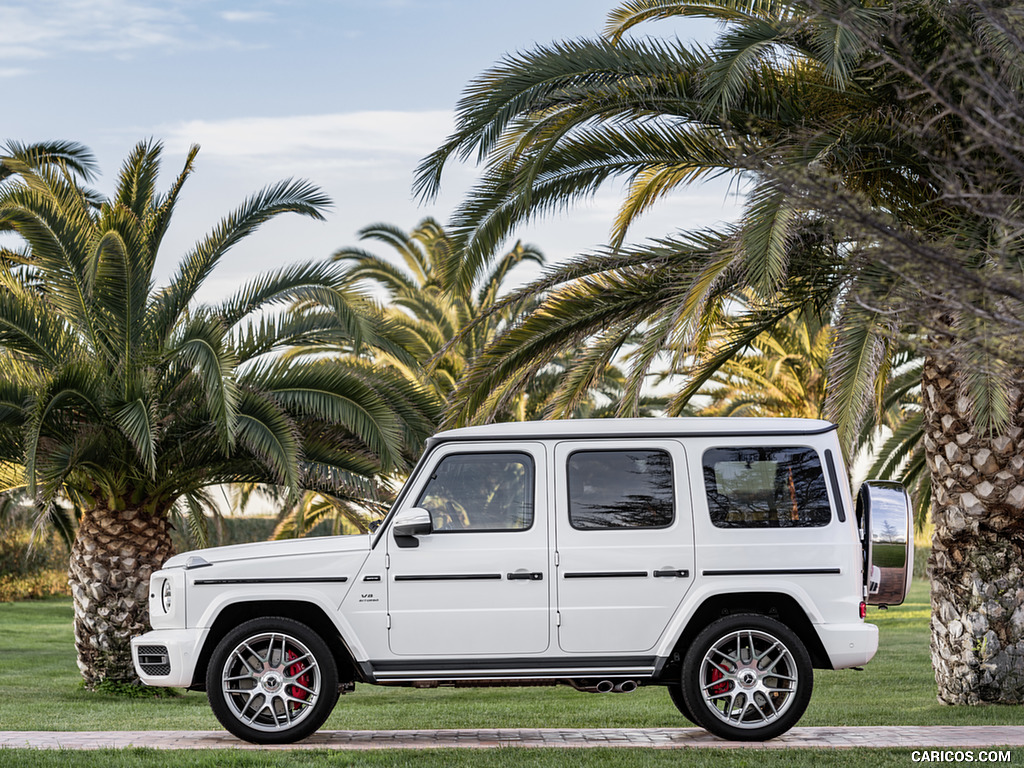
[[261, 550]]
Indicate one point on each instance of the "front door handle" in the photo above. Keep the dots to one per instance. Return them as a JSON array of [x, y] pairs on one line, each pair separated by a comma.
[[523, 576], [671, 573]]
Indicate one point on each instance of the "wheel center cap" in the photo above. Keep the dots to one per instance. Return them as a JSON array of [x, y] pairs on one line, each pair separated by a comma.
[[271, 682], [747, 678]]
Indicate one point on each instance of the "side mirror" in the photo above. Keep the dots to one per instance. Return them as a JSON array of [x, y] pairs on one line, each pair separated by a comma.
[[413, 522]]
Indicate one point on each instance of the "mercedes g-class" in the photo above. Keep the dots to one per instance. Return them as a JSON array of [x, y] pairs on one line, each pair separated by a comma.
[[722, 559]]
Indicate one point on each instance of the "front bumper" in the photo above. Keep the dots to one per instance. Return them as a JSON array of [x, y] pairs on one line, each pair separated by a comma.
[[849, 645], [168, 657]]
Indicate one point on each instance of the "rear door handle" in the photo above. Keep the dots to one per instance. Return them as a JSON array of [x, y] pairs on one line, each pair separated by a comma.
[[679, 573], [522, 576]]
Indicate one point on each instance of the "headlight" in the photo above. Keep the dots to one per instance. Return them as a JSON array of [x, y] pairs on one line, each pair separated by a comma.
[[165, 596]]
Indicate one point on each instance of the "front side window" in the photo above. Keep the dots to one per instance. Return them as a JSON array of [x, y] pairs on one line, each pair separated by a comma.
[[480, 492], [620, 489], [765, 488]]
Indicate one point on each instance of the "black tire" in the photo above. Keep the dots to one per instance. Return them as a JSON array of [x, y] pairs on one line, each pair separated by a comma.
[[747, 677], [675, 692], [272, 681]]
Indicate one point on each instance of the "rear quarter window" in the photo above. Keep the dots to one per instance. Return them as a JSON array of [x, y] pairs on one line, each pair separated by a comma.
[[765, 487]]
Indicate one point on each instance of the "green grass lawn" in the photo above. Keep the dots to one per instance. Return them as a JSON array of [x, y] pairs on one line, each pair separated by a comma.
[[41, 692]]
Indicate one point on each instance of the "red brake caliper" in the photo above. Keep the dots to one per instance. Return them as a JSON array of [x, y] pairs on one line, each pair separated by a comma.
[[295, 669], [721, 687]]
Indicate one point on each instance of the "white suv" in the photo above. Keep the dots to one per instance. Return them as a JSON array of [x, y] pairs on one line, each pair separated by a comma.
[[720, 558]]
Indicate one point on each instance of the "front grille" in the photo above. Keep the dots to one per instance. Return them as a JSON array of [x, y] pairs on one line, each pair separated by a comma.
[[153, 660]]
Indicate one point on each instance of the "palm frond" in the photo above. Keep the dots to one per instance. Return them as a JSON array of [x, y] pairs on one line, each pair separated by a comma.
[[860, 349], [201, 348], [740, 55], [287, 196], [334, 392], [195, 519], [120, 284], [530, 82], [269, 433], [12, 476], [840, 34], [136, 184], [159, 217], [136, 424], [767, 228], [75, 157], [630, 14]]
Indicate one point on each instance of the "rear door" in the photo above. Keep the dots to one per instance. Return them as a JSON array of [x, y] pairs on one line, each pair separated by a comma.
[[624, 542]]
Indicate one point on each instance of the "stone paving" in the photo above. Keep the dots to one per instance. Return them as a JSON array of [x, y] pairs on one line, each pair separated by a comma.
[[659, 738]]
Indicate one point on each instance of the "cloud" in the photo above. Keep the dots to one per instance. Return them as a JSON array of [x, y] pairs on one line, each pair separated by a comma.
[[34, 29], [246, 16], [350, 139], [13, 72]]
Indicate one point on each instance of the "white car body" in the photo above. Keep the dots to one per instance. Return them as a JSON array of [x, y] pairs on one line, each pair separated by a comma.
[[601, 609]]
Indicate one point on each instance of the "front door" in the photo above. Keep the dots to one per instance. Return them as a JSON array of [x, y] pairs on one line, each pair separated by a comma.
[[478, 582], [624, 541]]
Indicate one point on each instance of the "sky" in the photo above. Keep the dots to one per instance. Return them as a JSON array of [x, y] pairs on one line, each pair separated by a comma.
[[349, 94]]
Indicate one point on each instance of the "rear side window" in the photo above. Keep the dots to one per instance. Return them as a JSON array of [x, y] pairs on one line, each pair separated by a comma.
[[760, 487], [620, 489]]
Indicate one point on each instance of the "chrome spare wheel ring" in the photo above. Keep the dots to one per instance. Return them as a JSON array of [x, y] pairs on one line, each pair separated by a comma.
[[748, 678], [271, 681]]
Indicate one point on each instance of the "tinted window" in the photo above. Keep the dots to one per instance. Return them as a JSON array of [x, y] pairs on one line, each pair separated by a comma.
[[480, 492], [765, 488], [620, 489]]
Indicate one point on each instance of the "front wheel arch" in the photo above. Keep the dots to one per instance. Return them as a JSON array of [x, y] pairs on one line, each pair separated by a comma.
[[306, 613]]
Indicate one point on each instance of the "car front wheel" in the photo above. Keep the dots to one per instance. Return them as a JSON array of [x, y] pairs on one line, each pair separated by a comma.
[[272, 681], [747, 677]]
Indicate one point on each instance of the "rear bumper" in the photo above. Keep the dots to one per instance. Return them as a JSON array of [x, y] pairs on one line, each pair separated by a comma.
[[168, 657], [849, 645]]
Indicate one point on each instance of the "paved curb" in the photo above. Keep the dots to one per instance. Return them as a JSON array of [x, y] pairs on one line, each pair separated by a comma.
[[657, 738]]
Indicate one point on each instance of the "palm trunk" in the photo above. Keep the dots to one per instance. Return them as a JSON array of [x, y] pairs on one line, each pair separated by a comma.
[[977, 560], [111, 562]]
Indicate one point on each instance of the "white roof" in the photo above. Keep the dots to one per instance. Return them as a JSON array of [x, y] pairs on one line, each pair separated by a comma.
[[565, 428]]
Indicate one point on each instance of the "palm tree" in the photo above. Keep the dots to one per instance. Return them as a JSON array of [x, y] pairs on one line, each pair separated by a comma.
[[428, 330], [325, 514], [438, 324], [860, 109], [16, 157], [781, 373], [130, 400], [442, 324], [416, 321]]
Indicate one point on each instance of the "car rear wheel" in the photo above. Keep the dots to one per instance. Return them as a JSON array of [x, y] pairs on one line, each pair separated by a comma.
[[272, 681], [747, 677], [675, 692]]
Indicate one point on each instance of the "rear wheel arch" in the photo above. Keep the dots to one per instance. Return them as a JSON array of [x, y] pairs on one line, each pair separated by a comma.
[[775, 605], [310, 614]]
